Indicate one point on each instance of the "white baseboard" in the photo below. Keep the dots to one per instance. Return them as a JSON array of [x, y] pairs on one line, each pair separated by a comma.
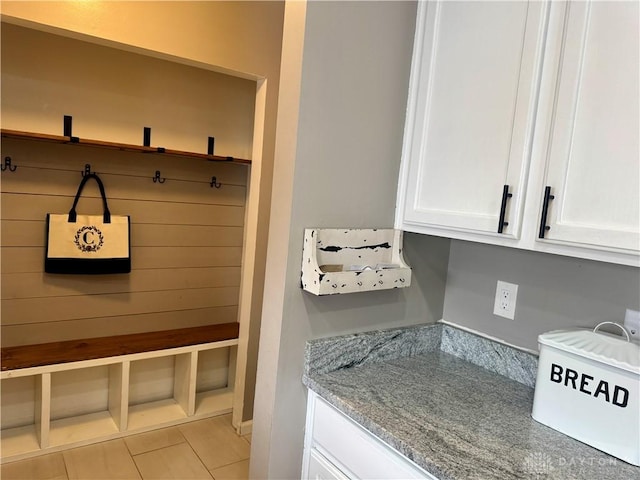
[[246, 427]]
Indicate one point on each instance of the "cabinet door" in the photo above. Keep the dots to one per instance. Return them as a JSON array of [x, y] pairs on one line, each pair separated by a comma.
[[355, 451], [474, 82], [593, 167], [321, 469]]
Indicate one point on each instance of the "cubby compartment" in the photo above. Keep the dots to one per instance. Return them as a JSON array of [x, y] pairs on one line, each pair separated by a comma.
[[345, 260], [159, 390], [215, 374], [18, 404], [79, 408]]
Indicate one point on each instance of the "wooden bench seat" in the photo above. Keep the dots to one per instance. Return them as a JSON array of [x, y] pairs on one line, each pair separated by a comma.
[[25, 356], [132, 383]]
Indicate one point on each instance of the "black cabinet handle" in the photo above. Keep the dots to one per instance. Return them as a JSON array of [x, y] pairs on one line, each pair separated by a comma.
[[545, 210], [503, 208]]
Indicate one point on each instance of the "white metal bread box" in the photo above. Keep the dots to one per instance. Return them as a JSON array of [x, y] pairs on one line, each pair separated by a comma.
[[587, 387]]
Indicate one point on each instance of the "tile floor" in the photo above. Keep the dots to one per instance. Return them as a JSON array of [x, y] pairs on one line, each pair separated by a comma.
[[205, 449]]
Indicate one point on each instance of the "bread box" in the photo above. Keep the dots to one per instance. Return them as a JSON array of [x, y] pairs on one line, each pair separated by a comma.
[[587, 387]]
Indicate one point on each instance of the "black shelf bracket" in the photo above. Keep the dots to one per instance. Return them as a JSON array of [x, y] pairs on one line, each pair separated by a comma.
[[146, 140], [67, 129], [146, 137]]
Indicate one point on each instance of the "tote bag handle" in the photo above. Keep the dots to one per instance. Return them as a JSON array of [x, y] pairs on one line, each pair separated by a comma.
[[87, 177]]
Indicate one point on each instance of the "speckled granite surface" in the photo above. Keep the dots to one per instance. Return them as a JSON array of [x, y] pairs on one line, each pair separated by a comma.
[[455, 419], [507, 361], [330, 354]]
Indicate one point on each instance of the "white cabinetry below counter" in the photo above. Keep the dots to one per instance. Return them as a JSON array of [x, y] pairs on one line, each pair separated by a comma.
[[509, 98], [336, 447]]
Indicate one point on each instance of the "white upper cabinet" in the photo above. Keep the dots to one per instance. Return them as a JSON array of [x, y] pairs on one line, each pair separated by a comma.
[[590, 142], [471, 110], [507, 98]]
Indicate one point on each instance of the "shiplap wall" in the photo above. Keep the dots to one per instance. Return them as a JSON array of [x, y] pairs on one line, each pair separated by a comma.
[[186, 236], [186, 243]]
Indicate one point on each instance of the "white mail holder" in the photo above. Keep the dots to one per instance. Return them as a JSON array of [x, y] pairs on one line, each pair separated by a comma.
[[338, 261], [588, 387]]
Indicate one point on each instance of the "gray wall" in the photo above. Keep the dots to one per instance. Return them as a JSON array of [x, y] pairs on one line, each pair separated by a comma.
[[353, 97], [338, 145], [554, 292]]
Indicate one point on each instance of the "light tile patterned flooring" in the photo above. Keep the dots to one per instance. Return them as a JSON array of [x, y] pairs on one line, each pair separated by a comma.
[[205, 449]]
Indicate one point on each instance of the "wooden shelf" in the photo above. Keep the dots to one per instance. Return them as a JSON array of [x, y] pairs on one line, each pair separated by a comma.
[[74, 430], [214, 402], [19, 440], [118, 146], [154, 413]]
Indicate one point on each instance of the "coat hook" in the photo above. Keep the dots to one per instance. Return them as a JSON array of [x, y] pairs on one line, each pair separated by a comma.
[[7, 164], [87, 170], [214, 183], [157, 178]]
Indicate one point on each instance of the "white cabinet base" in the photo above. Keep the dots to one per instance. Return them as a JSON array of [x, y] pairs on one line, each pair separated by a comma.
[[322, 469], [337, 447]]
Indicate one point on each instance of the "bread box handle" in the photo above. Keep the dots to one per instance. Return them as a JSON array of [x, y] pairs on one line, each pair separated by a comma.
[[624, 330]]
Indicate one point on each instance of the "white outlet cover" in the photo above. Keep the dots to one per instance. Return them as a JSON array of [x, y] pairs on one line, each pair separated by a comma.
[[505, 307]]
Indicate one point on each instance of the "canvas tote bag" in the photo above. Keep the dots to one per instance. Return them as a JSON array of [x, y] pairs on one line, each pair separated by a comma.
[[88, 244]]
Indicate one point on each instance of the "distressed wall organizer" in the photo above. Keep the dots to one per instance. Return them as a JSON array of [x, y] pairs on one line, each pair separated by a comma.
[[353, 260]]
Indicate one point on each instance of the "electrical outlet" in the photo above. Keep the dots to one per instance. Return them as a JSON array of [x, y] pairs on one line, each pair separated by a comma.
[[505, 302], [632, 324]]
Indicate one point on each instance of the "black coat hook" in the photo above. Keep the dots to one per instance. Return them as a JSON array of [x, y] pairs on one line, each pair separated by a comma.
[[214, 183], [87, 170], [157, 179], [7, 165]]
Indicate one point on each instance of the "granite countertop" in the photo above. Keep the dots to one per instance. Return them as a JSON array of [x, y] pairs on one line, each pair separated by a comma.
[[454, 418]]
